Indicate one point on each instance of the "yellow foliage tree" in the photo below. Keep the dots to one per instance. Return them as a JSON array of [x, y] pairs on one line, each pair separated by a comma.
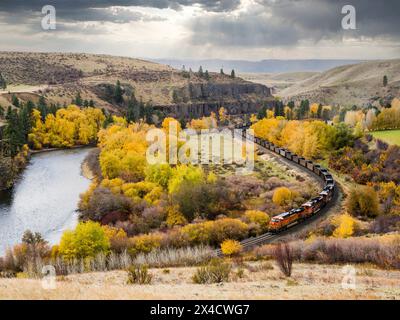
[[345, 226], [258, 217], [231, 247], [283, 196], [175, 217], [68, 127]]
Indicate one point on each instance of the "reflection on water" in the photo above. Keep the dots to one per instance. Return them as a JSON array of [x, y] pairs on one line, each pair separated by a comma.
[[45, 198]]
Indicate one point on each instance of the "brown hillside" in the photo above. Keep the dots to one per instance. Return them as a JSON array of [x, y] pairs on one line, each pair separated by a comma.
[[60, 76]]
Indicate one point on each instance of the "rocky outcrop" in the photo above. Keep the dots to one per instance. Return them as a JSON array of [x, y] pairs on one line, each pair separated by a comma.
[[200, 99]]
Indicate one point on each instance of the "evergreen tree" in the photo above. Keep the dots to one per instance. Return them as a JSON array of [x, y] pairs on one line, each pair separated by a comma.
[[3, 83], [291, 105], [14, 132], [91, 103], [2, 112], [118, 93], [207, 75], [15, 101], [222, 72], [262, 113], [133, 112], [385, 80], [78, 100], [182, 121], [326, 114], [342, 115], [201, 73], [42, 107], [86, 104], [233, 74], [319, 111], [279, 109], [149, 111]]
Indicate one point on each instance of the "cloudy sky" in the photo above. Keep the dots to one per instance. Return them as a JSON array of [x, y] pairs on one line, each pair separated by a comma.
[[199, 29]]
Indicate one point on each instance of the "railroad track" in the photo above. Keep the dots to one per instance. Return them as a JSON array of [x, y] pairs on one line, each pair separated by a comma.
[[265, 238]]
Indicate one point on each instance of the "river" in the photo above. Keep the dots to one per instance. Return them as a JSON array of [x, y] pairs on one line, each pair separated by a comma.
[[45, 198]]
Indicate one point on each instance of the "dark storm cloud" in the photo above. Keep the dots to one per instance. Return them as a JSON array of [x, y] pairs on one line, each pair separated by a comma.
[[290, 22], [68, 8]]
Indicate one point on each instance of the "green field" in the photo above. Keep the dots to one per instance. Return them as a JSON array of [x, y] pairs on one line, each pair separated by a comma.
[[389, 136]]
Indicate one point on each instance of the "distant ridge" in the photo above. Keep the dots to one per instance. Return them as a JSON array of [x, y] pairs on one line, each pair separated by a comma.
[[263, 66]]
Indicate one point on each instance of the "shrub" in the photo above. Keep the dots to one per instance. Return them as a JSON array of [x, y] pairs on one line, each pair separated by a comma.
[[87, 240], [382, 251], [231, 247], [283, 196], [284, 258], [228, 228], [169, 257], [198, 233], [175, 217], [103, 201], [258, 217], [345, 226], [385, 224], [139, 274], [363, 201], [216, 271], [118, 238], [145, 243]]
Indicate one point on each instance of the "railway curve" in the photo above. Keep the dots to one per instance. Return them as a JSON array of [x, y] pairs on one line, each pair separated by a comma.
[[305, 165]]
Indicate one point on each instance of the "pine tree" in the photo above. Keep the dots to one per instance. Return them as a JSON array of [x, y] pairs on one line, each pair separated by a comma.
[[118, 93], [15, 101], [233, 74], [207, 75], [222, 72], [42, 107], [3, 83], [385, 80], [91, 103], [319, 111], [201, 73], [133, 112], [78, 100], [14, 131]]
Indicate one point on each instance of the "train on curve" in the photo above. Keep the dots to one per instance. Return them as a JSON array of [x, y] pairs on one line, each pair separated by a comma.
[[285, 220]]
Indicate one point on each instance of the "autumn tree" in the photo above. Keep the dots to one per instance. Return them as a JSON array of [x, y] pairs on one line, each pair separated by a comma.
[[363, 201], [283, 196], [87, 240], [345, 226]]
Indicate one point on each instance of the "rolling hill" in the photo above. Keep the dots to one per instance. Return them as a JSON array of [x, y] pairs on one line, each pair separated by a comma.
[[60, 76], [358, 84]]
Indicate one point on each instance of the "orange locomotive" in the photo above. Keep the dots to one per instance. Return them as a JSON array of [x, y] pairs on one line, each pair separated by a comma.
[[287, 219]]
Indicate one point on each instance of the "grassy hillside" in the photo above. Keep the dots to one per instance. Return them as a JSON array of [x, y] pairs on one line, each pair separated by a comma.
[[389, 136], [279, 81], [348, 85]]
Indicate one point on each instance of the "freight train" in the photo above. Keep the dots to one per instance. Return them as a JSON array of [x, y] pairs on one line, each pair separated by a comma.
[[285, 220]]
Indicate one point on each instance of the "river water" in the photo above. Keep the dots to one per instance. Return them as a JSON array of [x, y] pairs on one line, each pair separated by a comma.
[[45, 198]]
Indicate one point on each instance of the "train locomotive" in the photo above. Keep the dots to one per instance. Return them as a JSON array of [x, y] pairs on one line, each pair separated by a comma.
[[285, 220]]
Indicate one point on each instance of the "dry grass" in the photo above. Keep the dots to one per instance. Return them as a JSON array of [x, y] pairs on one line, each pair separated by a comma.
[[307, 282]]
